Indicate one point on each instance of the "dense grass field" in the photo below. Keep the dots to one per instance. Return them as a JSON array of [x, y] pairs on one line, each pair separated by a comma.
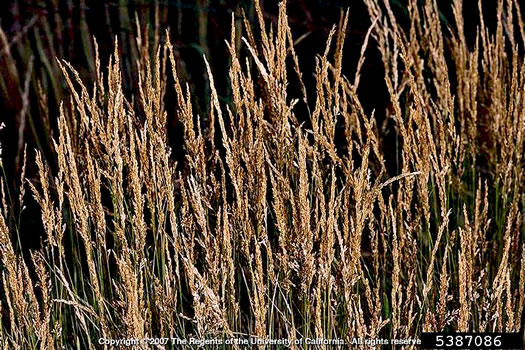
[[282, 209]]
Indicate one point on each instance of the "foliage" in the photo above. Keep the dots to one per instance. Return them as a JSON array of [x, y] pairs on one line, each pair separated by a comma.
[[271, 227]]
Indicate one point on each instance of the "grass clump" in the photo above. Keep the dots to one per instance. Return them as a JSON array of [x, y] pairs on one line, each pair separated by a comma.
[[273, 224]]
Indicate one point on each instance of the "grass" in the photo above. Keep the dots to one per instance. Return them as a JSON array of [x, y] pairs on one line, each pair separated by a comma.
[[272, 225]]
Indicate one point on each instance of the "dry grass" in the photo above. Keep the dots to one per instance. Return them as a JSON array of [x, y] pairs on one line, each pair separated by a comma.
[[271, 228]]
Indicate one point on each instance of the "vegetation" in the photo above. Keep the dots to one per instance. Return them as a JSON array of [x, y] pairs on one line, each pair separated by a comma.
[[275, 223]]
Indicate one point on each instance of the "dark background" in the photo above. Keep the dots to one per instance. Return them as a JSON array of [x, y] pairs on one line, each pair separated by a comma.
[[39, 31]]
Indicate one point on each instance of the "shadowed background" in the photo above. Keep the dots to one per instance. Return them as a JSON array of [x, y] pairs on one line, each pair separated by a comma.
[[35, 33]]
